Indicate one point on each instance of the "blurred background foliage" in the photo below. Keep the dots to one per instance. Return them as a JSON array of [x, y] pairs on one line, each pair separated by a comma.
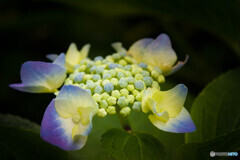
[[206, 30]]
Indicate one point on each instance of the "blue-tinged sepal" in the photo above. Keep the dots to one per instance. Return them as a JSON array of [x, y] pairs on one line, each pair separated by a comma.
[[167, 109], [68, 119], [58, 131], [41, 77], [182, 123]]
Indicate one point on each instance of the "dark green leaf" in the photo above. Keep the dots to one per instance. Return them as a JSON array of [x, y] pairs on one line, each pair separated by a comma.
[[201, 151], [16, 121], [216, 110], [122, 145], [22, 144]]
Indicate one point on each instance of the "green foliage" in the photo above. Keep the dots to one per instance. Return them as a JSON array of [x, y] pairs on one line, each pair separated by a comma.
[[132, 146], [216, 110], [201, 151], [26, 145], [16, 121]]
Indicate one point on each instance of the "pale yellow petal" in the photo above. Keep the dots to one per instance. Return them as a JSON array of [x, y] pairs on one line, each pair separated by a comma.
[[171, 101]]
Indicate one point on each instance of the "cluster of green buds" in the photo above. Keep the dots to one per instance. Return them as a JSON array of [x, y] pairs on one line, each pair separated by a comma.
[[116, 82]]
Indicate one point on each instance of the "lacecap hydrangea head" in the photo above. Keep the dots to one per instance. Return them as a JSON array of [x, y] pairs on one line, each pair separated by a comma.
[[120, 83]]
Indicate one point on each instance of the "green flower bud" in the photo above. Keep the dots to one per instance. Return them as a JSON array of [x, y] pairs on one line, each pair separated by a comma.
[[139, 97], [82, 68], [98, 62], [135, 92], [148, 81], [98, 89], [122, 102], [105, 96], [128, 67], [112, 100], [139, 77], [116, 94], [145, 73], [161, 79], [155, 85], [128, 73], [93, 69], [150, 68], [125, 111], [114, 81], [136, 70], [105, 82], [111, 110], [155, 74], [131, 80], [100, 70], [90, 85], [120, 75], [81, 85], [107, 76], [124, 92], [103, 104], [87, 77], [90, 64], [97, 97], [123, 83], [122, 62], [68, 81], [137, 106], [131, 98], [130, 87], [96, 77], [110, 58], [105, 71], [139, 85], [108, 87], [112, 72], [116, 56], [128, 59], [101, 112]]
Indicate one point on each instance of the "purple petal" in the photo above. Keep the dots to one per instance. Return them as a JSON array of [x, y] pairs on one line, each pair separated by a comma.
[[52, 57], [182, 123], [30, 89], [60, 60], [160, 53], [58, 131], [44, 74], [178, 66]]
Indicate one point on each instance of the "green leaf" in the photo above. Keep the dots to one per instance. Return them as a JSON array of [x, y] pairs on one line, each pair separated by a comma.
[[201, 151], [216, 110], [16, 121], [22, 144], [130, 146]]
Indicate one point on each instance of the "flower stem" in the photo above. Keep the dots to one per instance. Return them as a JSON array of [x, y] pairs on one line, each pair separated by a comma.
[[124, 122]]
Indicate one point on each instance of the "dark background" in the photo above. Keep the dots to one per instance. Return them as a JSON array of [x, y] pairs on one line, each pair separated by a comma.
[[206, 30]]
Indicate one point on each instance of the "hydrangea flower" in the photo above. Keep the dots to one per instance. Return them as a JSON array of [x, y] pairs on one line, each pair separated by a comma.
[[156, 52], [116, 84], [42, 77], [67, 120], [167, 109], [73, 56]]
